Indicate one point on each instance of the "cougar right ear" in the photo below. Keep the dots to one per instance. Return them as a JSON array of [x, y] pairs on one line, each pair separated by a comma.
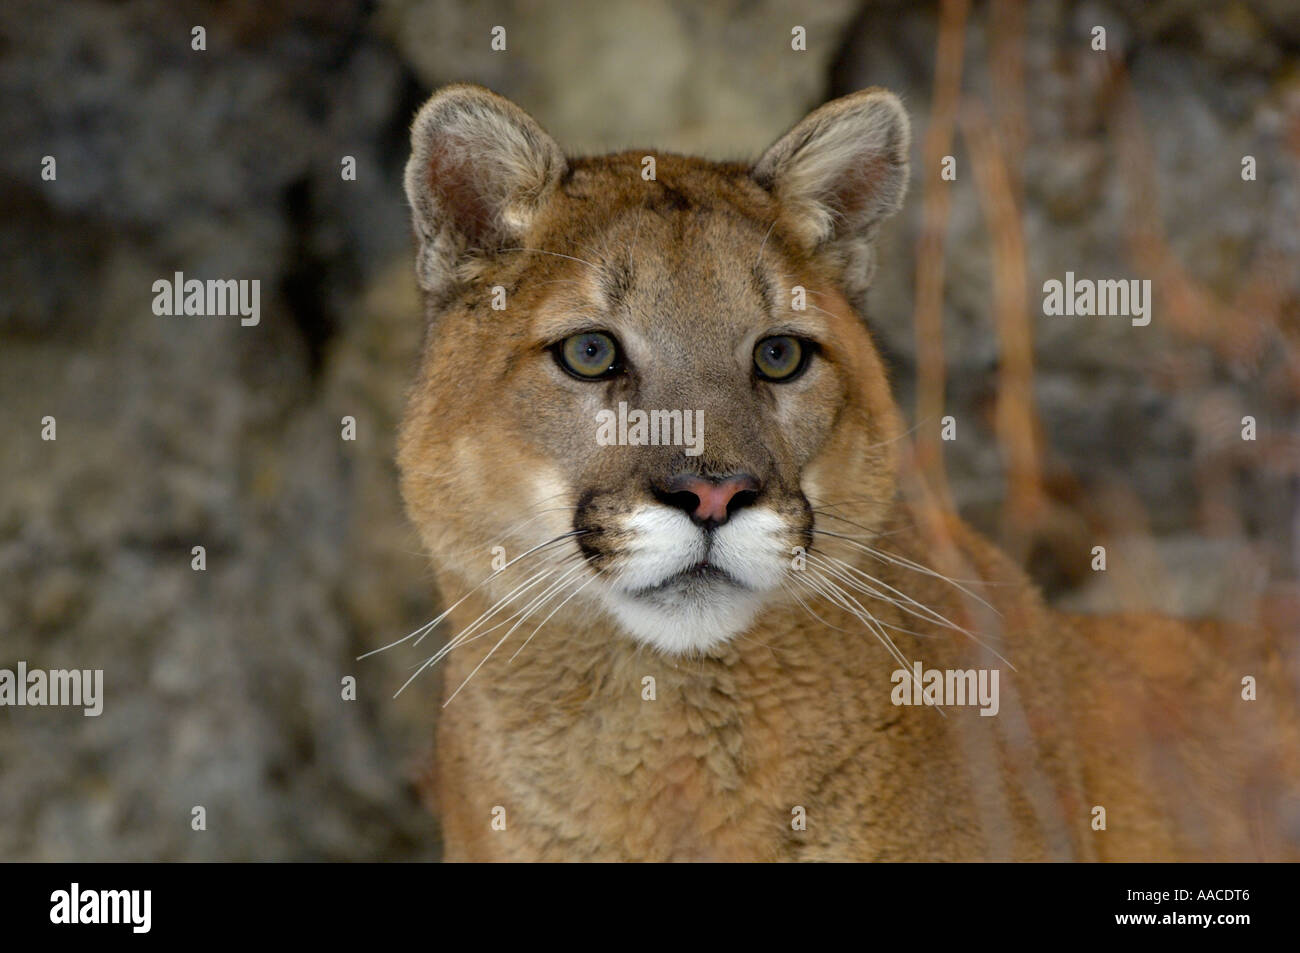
[[480, 171], [837, 175]]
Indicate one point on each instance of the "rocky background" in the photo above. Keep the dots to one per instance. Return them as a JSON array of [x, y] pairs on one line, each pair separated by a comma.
[[223, 686]]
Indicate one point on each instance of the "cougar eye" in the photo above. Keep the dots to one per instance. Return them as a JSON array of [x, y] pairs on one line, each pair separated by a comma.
[[591, 355], [780, 358]]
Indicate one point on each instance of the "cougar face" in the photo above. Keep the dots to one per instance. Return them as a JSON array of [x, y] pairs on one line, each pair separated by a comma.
[[645, 371]]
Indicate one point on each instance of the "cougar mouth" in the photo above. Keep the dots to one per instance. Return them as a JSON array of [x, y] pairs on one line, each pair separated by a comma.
[[702, 576], [681, 588]]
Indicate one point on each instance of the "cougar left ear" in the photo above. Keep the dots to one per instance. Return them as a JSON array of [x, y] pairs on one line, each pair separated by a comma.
[[480, 171], [838, 174]]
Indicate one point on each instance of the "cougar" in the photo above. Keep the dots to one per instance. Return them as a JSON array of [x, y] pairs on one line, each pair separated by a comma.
[[761, 644]]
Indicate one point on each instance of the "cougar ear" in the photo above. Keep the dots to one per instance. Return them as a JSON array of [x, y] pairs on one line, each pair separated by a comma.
[[837, 175], [480, 171]]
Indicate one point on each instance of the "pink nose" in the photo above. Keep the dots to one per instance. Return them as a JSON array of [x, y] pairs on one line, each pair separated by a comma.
[[709, 501]]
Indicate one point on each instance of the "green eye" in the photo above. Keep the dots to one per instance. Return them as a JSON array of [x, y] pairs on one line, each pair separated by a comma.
[[590, 355], [780, 358]]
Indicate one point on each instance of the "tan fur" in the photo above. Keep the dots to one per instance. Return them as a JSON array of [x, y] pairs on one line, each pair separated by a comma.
[[1140, 715]]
